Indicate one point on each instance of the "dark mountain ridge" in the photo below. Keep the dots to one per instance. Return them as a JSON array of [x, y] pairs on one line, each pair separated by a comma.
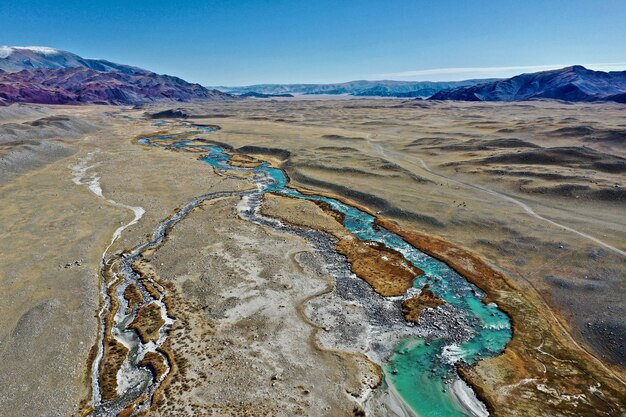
[[575, 83], [51, 76], [85, 85]]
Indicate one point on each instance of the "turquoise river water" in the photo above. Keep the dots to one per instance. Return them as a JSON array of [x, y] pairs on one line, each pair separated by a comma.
[[421, 370]]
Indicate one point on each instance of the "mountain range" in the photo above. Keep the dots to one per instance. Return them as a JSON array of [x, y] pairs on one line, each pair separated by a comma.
[[16, 58], [51, 76], [361, 88], [575, 83]]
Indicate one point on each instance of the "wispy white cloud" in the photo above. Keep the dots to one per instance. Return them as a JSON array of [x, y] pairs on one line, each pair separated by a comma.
[[485, 72]]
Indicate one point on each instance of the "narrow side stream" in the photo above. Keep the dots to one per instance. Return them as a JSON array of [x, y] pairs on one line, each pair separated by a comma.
[[146, 364]]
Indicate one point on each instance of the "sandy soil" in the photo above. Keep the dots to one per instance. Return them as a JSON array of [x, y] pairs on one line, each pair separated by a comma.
[[242, 343], [534, 191]]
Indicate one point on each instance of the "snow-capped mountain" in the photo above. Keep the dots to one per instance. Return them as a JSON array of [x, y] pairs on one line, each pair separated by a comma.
[[17, 58]]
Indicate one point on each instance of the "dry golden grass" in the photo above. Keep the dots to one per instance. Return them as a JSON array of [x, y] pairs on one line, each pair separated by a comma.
[[133, 296], [244, 161], [148, 323], [386, 270], [413, 307]]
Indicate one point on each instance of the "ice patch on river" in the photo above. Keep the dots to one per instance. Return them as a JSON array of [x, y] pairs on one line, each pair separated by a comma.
[[464, 394]]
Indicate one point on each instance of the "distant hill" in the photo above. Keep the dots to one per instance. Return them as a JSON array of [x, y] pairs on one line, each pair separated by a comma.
[[384, 88], [254, 94], [574, 83], [51, 76], [619, 98]]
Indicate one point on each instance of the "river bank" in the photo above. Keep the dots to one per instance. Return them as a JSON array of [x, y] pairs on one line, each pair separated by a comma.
[[275, 181]]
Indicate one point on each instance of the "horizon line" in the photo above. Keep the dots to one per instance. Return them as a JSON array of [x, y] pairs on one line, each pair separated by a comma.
[[489, 72], [473, 73]]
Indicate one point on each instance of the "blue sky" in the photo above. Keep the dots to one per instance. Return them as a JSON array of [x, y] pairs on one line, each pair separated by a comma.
[[245, 42]]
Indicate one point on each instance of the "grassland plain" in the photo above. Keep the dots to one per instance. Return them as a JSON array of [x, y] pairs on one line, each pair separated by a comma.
[[526, 200], [530, 195]]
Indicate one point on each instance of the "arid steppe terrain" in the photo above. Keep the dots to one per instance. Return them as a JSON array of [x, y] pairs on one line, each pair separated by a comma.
[[525, 200]]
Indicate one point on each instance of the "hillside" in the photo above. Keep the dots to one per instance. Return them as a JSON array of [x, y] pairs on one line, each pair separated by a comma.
[[575, 83], [51, 76], [363, 88]]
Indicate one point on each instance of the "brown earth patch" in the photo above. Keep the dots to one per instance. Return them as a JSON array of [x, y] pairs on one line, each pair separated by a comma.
[[384, 269], [148, 278], [155, 362], [327, 208], [148, 323], [243, 161], [114, 355], [133, 296], [151, 289], [413, 307]]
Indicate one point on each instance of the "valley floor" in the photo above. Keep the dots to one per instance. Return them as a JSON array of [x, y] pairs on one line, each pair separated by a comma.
[[525, 200]]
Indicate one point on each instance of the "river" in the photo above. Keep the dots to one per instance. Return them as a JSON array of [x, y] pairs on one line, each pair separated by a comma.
[[420, 367]]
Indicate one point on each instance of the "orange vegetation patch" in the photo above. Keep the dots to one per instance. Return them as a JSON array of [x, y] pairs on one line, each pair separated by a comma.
[[328, 209], [158, 400], [127, 412], [148, 323], [109, 271], [148, 278], [155, 363], [386, 270], [133, 296], [114, 355], [413, 307], [151, 289], [244, 161]]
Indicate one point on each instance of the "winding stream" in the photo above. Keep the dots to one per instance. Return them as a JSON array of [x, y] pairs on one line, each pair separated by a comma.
[[421, 367]]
